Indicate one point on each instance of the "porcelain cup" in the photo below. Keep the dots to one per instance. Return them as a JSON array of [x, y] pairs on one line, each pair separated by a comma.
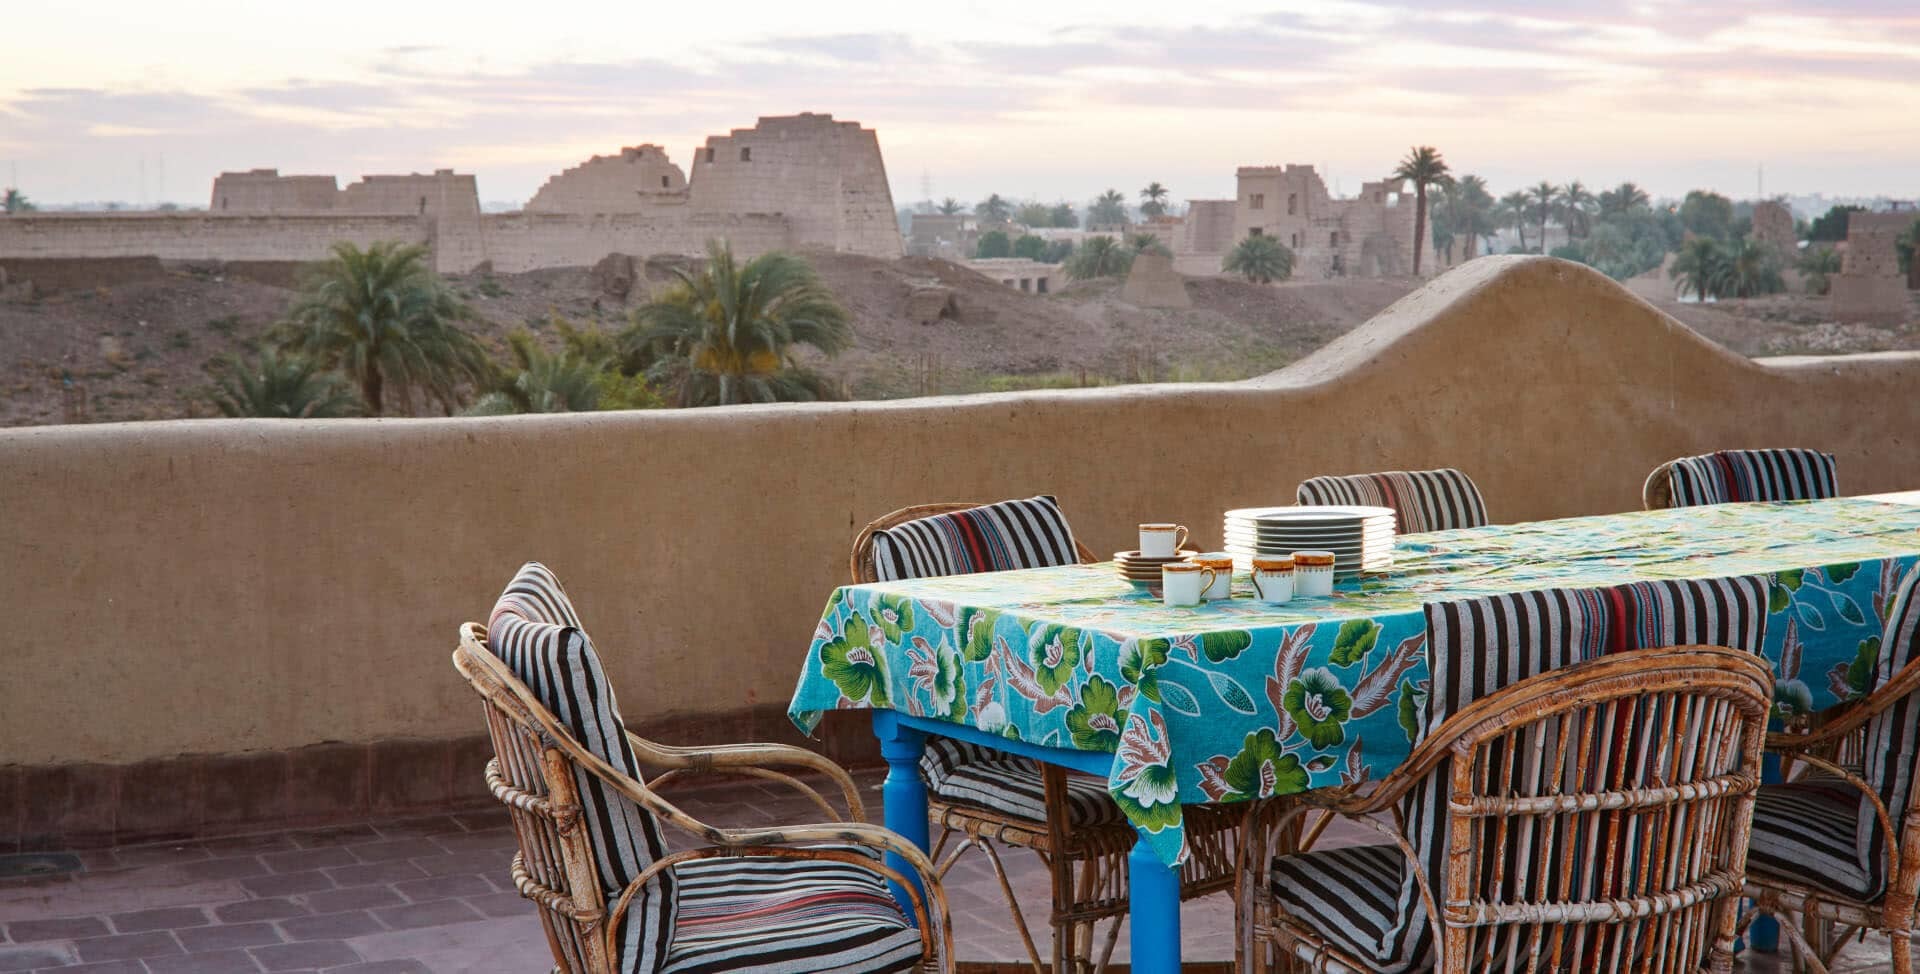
[[1182, 582], [1312, 573], [1161, 540], [1273, 579], [1221, 563]]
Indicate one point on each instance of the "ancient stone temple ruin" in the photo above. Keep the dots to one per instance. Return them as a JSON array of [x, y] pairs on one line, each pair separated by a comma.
[[1370, 235], [791, 181]]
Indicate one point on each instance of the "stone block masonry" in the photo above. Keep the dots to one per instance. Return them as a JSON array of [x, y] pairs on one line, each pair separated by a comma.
[[791, 181], [1870, 286]]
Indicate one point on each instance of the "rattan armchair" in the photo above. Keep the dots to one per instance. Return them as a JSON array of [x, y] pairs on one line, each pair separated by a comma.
[[534, 774], [1780, 474], [1087, 861], [1864, 755], [1592, 852]]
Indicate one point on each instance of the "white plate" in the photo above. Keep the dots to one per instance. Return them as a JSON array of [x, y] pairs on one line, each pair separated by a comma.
[[1300, 514]]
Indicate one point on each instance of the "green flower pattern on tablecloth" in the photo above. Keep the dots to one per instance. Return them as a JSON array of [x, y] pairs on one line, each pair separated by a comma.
[[1233, 700]]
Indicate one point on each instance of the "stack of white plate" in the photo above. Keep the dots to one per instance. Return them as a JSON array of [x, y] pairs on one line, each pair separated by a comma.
[[1361, 538]]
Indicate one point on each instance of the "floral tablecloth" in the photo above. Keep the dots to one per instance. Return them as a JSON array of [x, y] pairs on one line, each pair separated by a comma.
[[1241, 699]]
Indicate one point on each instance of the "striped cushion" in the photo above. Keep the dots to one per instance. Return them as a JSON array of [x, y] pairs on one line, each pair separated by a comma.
[[1751, 475], [1422, 500], [1484, 645], [995, 537], [1349, 896], [536, 632], [969, 774], [786, 916], [1824, 832]]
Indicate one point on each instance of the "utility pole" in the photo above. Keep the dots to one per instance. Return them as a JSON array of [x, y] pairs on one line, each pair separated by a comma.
[[1760, 181]]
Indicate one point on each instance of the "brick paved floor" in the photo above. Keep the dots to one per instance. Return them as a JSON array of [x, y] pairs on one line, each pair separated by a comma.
[[428, 895]]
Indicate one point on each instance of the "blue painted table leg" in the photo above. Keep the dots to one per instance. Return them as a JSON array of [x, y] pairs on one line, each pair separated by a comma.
[[904, 794], [1155, 912], [1763, 934]]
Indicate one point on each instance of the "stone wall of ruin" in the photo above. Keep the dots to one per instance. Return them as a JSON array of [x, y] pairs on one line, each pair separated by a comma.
[[1370, 235], [826, 178], [266, 191], [528, 241], [640, 179], [200, 236], [1870, 285], [1206, 234]]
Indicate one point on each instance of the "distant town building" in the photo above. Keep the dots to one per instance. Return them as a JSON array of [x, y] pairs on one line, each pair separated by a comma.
[[1370, 235]]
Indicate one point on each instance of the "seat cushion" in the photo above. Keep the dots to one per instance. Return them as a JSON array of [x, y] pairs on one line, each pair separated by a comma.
[[1422, 500], [969, 774], [1350, 897], [536, 632], [999, 537], [1808, 832], [787, 916]]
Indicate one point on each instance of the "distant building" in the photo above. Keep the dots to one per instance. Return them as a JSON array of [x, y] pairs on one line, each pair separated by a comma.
[[1370, 235]]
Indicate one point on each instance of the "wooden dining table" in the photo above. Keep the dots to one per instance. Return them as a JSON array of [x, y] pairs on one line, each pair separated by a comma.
[[1237, 700]]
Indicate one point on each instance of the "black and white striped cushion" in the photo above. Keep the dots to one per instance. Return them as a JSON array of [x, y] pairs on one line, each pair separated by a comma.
[[1349, 895], [969, 774], [1752, 475], [535, 631], [787, 916], [1009, 535], [1823, 832], [1480, 646], [1422, 500]]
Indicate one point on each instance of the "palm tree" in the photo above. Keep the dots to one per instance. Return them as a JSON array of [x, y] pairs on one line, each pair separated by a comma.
[[1623, 198], [281, 387], [1155, 196], [1109, 209], [1514, 209], [1576, 207], [1424, 167], [949, 206], [1262, 259], [1099, 256], [384, 318], [16, 202], [993, 208], [1148, 243], [1476, 210], [728, 334], [1751, 269], [1817, 266], [543, 382], [1700, 267], [1541, 199]]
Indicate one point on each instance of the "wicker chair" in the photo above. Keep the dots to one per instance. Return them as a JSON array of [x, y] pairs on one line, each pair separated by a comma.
[[548, 780], [1082, 837], [1422, 500], [1840, 845], [1740, 475], [1580, 857]]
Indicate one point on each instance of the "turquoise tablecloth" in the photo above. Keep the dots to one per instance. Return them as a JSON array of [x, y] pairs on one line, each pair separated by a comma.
[[1236, 700]]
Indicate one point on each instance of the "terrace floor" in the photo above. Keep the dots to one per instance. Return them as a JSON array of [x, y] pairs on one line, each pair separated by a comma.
[[409, 896]]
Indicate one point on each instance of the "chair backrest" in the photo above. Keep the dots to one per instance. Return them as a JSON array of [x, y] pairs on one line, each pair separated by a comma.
[[1892, 739], [1573, 740], [931, 540], [541, 678], [1741, 475], [1422, 500]]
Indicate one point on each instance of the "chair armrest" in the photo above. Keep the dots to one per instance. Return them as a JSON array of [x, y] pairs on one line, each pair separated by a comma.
[[751, 760]]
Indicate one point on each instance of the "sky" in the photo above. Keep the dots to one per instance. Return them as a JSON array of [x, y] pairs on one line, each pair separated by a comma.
[[145, 102]]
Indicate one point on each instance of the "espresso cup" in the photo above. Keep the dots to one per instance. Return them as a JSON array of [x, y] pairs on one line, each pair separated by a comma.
[[1312, 573], [1161, 540], [1273, 579], [1221, 564], [1182, 582]]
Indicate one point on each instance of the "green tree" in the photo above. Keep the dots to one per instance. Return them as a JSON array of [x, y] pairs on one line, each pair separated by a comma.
[[1623, 198], [1577, 206], [1154, 200], [1099, 256], [993, 208], [729, 333], [1817, 265], [1034, 215], [278, 386], [1831, 226], [1512, 211], [1110, 209], [1148, 243], [1749, 270], [1905, 246], [1542, 201], [993, 243], [1057, 251], [1707, 214], [1029, 246], [16, 202], [1260, 259], [1700, 267], [949, 206], [1424, 168], [584, 375], [1064, 216], [1472, 211], [383, 318]]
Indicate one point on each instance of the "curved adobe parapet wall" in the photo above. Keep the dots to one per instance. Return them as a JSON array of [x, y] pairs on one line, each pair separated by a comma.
[[221, 586]]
